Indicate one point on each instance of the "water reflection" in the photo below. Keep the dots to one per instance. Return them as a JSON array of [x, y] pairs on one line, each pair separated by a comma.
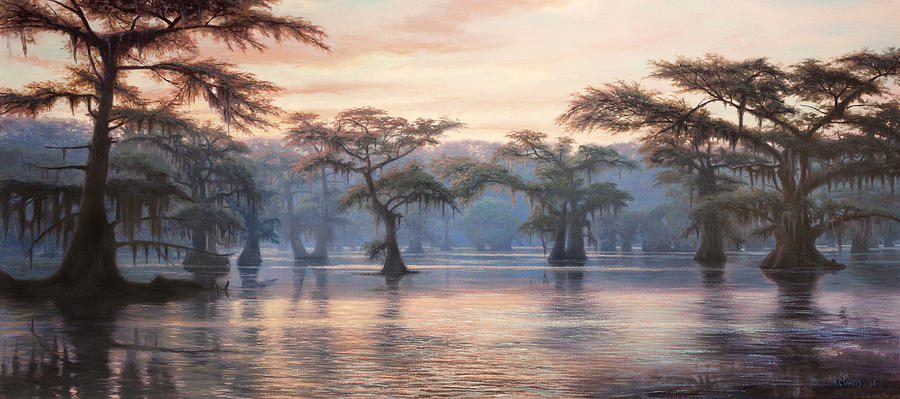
[[208, 276], [633, 327], [299, 277], [570, 308]]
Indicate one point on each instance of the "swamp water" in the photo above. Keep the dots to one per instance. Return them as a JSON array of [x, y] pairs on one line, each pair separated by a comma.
[[472, 324]]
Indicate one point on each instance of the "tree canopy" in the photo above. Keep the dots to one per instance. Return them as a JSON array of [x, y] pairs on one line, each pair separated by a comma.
[[364, 141], [562, 189], [819, 124], [108, 41]]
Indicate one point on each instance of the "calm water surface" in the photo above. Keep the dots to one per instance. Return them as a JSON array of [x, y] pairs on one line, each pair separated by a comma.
[[473, 324]]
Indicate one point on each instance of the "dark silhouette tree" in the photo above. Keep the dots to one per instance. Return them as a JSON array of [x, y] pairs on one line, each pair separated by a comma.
[[561, 190], [365, 141], [109, 39], [818, 125]]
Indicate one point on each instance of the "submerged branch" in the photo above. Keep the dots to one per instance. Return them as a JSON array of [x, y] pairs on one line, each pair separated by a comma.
[[64, 167], [150, 243]]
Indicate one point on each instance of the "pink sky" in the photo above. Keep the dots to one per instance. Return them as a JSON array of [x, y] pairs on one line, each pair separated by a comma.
[[504, 65]]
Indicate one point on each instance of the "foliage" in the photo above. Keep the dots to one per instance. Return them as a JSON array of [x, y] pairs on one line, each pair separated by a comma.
[[819, 124], [401, 187], [489, 223], [561, 188], [110, 39], [363, 141], [374, 250]]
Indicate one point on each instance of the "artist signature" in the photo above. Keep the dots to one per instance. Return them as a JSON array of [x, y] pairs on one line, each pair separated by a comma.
[[854, 382]]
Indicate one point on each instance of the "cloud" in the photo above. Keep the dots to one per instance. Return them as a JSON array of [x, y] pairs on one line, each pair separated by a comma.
[[503, 65]]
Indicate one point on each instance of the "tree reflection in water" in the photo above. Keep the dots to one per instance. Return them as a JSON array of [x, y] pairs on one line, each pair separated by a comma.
[[804, 352], [637, 330], [79, 365]]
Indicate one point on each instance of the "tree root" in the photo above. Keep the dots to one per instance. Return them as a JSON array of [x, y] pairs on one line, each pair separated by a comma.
[[160, 289]]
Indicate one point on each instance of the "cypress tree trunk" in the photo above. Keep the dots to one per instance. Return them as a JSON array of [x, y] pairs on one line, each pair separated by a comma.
[[795, 247], [795, 240], [393, 261], [712, 246], [575, 239], [323, 238], [90, 261], [250, 255], [323, 231], [558, 252], [297, 247]]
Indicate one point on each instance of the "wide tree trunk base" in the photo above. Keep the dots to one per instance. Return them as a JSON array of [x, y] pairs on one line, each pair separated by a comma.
[[797, 265], [792, 258], [393, 264], [394, 269], [160, 289], [249, 258], [250, 255]]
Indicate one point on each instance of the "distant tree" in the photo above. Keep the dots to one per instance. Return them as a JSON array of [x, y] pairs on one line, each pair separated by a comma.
[[818, 124], [561, 191], [865, 233], [677, 137], [257, 229], [211, 166], [664, 228], [629, 227], [364, 141], [417, 232], [488, 224], [109, 39], [305, 202], [276, 171]]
